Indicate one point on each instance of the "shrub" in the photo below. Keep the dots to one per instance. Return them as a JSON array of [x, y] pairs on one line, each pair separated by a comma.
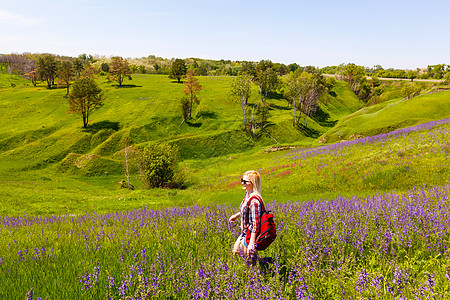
[[158, 164], [411, 90]]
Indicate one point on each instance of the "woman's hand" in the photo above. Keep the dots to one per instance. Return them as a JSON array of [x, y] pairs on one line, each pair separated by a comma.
[[233, 218], [252, 243], [251, 247]]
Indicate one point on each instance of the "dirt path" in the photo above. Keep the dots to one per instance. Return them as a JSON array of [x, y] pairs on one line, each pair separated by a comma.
[[394, 79]]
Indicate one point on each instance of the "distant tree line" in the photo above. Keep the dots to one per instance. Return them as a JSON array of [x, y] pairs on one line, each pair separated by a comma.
[[27, 62], [303, 87]]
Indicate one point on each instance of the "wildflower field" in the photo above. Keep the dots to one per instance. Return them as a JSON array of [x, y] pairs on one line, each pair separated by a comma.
[[387, 245]]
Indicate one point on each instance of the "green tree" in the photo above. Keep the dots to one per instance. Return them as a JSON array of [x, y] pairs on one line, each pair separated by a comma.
[[86, 96], [263, 65], [312, 87], [267, 81], [436, 71], [191, 88], [293, 67], [202, 69], [158, 165], [105, 67], [142, 69], [78, 67], [249, 68], [410, 90], [157, 68], [411, 75], [178, 70], [447, 78], [241, 90], [292, 91], [47, 67], [119, 70], [354, 75], [65, 75]]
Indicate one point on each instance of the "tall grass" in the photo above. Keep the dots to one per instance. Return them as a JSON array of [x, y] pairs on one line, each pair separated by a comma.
[[384, 246]]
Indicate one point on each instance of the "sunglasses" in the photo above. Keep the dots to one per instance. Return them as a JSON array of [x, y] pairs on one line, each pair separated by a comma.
[[245, 181]]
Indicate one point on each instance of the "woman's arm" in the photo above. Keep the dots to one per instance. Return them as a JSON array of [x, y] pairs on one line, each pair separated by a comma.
[[234, 217], [255, 211]]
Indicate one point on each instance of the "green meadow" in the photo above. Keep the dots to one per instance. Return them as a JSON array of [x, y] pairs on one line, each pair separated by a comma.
[[51, 165], [361, 205]]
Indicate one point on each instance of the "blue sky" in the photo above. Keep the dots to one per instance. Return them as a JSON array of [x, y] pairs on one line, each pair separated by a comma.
[[393, 34]]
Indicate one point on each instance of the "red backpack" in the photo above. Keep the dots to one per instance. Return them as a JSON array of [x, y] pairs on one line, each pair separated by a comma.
[[268, 231]]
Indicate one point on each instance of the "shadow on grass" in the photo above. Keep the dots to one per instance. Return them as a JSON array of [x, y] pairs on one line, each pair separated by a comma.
[[207, 115], [193, 123], [96, 127], [275, 95], [279, 107], [309, 132], [126, 86], [322, 118]]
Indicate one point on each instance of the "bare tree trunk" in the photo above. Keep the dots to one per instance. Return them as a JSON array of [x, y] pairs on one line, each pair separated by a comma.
[[252, 124], [244, 113], [293, 102], [190, 108]]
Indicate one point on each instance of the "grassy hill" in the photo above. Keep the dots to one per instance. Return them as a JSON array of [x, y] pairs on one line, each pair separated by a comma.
[[38, 132], [50, 164], [390, 115]]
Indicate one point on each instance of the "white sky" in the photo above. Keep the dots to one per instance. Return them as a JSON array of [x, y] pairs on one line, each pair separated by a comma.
[[393, 34]]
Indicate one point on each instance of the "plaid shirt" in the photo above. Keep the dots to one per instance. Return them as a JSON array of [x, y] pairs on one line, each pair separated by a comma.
[[251, 214]]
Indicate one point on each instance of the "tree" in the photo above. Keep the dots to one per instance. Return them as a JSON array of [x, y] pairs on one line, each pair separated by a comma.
[[410, 90], [119, 69], [191, 89], [78, 67], [354, 75], [33, 76], [293, 91], [157, 68], [317, 88], [307, 89], [178, 70], [47, 67], [436, 71], [267, 81], [249, 68], [241, 90], [17, 63], [411, 75], [65, 75], [293, 67], [202, 69], [89, 71], [105, 67], [86, 96], [184, 106], [158, 165]]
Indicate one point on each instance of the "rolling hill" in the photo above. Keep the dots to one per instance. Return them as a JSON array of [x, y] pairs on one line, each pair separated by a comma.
[[50, 164]]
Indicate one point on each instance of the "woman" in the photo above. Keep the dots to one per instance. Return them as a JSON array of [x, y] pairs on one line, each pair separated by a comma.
[[250, 213]]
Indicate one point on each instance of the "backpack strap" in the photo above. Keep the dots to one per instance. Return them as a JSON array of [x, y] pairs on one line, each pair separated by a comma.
[[260, 201]]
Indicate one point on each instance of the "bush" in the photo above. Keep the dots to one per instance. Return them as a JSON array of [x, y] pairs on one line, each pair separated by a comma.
[[158, 164], [411, 90]]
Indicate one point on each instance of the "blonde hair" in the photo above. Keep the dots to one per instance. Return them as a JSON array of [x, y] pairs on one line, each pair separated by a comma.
[[255, 179]]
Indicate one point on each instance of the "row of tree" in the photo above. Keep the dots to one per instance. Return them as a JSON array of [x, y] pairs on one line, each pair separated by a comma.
[[25, 63]]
